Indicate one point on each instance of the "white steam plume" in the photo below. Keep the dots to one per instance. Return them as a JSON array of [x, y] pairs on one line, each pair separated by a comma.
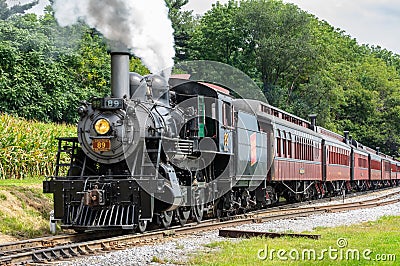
[[142, 25]]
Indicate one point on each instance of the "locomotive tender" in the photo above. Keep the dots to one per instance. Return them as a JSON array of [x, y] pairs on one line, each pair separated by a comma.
[[163, 152]]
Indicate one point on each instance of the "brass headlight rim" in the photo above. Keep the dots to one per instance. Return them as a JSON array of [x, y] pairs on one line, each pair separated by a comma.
[[99, 131]]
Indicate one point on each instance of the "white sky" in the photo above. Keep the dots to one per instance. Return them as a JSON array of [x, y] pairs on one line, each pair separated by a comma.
[[374, 22]]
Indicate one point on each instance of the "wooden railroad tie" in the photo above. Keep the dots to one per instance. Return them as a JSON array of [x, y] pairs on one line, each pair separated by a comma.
[[248, 234]]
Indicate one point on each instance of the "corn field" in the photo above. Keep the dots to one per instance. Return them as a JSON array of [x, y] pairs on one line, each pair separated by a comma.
[[28, 148]]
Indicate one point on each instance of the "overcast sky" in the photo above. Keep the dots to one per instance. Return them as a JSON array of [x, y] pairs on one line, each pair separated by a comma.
[[374, 22]]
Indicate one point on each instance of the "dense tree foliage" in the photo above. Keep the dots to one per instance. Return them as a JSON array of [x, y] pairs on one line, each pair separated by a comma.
[[279, 37], [301, 64], [216, 37], [46, 70]]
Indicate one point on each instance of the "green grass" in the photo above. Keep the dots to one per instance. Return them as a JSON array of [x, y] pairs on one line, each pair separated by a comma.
[[3, 197], [157, 260], [16, 227], [35, 180], [381, 237]]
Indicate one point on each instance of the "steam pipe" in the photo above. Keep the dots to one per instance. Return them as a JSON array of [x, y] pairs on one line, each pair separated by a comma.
[[346, 137], [313, 118]]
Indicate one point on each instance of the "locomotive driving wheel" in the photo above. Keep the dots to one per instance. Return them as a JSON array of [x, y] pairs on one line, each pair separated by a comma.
[[166, 218], [198, 208], [141, 227], [182, 215]]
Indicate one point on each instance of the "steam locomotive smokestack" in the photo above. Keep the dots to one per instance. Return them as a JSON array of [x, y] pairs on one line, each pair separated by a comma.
[[119, 73]]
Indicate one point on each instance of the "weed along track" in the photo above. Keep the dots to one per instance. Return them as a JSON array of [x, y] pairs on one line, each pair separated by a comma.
[[68, 246]]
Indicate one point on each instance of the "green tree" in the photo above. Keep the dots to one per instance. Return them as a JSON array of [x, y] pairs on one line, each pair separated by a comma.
[[279, 35], [354, 88], [323, 91], [183, 24], [216, 36], [39, 75], [390, 58]]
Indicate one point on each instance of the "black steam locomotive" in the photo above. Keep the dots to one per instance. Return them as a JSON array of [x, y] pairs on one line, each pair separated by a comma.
[[163, 152]]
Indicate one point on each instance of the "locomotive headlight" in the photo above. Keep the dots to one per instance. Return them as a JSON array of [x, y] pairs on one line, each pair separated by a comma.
[[102, 126]]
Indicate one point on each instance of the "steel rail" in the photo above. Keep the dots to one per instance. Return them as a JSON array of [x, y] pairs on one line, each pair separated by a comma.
[[52, 241]]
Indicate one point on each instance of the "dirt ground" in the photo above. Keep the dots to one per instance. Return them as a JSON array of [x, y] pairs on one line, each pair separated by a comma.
[[6, 238]]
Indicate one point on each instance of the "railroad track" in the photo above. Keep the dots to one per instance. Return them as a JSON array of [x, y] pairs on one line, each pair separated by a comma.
[[42, 250]]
